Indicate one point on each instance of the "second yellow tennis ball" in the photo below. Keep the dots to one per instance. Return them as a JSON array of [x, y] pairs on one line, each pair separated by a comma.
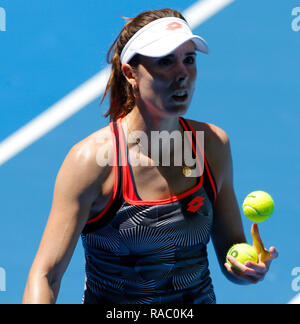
[[243, 252], [258, 206]]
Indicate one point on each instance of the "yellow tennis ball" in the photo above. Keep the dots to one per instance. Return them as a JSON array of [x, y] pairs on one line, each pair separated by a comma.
[[243, 252], [258, 206]]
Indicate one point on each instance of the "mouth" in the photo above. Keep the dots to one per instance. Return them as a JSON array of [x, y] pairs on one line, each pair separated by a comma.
[[180, 95]]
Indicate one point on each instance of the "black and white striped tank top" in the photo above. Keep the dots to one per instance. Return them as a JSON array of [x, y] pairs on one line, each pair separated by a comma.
[[150, 252]]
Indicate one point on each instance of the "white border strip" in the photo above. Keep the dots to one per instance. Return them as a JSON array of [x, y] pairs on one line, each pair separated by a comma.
[[87, 92]]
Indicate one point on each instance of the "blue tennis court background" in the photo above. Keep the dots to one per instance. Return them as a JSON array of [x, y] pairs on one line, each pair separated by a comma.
[[248, 85]]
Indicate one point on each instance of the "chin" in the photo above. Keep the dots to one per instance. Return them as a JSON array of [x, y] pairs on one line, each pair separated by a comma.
[[177, 110]]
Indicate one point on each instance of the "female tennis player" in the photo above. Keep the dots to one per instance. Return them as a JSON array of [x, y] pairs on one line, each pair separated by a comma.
[[145, 226]]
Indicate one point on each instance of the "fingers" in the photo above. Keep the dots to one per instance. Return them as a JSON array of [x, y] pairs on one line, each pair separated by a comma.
[[242, 273], [239, 276], [260, 268], [249, 272], [274, 252], [270, 255], [264, 255], [257, 241], [236, 265]]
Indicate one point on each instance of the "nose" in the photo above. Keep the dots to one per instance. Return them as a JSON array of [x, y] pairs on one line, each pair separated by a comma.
[[182, 74]]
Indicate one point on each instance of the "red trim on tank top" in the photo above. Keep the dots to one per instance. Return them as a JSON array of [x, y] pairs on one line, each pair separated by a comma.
[[116, 175], [128, 189], [206, 164]]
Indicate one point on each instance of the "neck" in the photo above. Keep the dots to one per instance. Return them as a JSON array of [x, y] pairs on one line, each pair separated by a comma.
[[147, 122], [136, 123]]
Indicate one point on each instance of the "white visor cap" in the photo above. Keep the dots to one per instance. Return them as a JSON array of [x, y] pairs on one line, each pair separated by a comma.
[[160, 38]]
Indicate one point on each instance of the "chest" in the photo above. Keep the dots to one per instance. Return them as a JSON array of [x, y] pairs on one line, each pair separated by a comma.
[[155, 183]]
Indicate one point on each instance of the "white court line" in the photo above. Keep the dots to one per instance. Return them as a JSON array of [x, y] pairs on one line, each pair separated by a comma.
[[53, 116], [295, 300], [203, 10], [87, 92]]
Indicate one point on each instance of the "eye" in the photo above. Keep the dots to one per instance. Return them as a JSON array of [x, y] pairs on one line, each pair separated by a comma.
[[165, 61], [189, 59]]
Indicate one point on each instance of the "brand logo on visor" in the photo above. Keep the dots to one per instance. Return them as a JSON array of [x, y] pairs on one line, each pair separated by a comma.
[[174, 25]]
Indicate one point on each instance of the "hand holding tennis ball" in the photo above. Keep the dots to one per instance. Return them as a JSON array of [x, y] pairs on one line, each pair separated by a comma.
[[258, 206], [246, 263], [249, 264], [242, 252]]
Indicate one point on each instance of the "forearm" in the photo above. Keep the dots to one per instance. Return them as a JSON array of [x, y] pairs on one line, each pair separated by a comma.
[[39, 290]]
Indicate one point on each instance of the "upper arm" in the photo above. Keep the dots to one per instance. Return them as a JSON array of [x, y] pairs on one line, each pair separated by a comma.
[[77, 185], [227, 227]]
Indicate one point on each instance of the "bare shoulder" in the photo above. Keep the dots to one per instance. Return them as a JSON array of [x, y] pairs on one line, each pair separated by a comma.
[[88, 151], [214, 136], [216, 148], [89, 162]]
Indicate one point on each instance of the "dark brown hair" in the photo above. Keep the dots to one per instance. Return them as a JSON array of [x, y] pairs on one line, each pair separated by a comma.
[[121, 95]]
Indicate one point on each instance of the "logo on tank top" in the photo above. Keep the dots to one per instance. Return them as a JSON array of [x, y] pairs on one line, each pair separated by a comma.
[[195, 204]]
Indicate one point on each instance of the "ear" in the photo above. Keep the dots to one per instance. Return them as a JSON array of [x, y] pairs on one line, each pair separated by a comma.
[[129, 74]]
